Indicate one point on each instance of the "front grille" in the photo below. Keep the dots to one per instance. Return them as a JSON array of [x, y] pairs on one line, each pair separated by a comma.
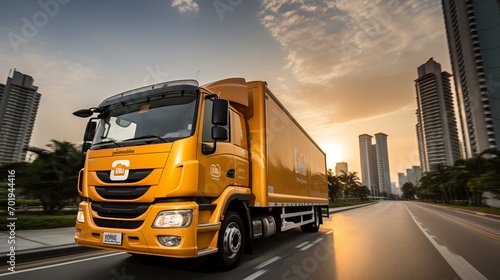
[[117, 223], [120, 210], [134, 175], [124, 193]]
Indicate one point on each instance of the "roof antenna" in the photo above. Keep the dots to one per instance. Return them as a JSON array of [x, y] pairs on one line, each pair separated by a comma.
[[197, 75]]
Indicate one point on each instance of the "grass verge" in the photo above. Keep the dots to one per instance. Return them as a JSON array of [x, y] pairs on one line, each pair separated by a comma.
[[40, 221], [342, 203]]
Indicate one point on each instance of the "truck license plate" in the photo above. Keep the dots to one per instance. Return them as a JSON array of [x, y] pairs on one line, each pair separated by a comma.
[[112, 238]]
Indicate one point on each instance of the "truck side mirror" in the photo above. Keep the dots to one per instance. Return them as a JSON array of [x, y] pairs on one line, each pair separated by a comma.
[[220, 112], [220, 116], [219, 133], [89, 134]]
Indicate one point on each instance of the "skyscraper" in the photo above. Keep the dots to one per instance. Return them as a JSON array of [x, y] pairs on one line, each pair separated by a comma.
[[339, 167], [401, 179], [473, 29], [375, 172], [413, 175], [368, 163], [384, 175], [19, 102], [436, 125]]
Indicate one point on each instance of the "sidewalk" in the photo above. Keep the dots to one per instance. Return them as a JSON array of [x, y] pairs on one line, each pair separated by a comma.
[[33, 244], [38, 238]]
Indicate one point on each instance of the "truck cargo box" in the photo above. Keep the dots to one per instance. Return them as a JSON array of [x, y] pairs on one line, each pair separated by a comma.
[[288, 167]]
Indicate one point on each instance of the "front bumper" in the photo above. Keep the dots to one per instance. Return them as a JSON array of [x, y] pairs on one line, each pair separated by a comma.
[[144, 239]]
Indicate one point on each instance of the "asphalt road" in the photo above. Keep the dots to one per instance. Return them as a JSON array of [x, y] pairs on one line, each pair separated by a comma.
[[388, 240]]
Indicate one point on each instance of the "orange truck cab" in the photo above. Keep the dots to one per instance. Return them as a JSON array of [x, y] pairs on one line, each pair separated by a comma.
[[181, 170]]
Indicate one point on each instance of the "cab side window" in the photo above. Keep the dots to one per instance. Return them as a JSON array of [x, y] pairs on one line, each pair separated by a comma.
[[238, 129]]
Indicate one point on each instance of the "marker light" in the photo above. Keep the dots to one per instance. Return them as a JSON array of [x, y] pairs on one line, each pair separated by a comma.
[[178, 218]]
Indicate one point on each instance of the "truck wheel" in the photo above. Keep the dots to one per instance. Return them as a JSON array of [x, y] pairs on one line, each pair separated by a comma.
[[314, 226], [231, 241]]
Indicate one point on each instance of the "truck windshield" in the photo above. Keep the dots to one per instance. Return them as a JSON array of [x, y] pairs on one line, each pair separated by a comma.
[[154, 119]]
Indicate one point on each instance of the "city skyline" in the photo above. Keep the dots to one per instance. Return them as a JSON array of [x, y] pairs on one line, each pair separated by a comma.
[[335, 66]]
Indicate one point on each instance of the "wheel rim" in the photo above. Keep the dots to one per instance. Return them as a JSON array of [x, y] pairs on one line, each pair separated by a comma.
[[232, 240]]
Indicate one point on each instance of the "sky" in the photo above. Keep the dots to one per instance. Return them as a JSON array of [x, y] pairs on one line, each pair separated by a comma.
[[342, 68]]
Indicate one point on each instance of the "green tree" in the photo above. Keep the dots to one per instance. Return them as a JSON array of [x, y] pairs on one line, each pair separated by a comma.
[[334, 186], [490, 178], [362, 192], [349, 183], [437, 181], [52, 177], [478, 174], [409, 191]]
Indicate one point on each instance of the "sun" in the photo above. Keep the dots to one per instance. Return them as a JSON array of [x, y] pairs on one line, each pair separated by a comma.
[[334, 153]]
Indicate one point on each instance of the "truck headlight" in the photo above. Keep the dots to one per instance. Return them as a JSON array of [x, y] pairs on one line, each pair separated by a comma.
[[79, 216], [177, 218]]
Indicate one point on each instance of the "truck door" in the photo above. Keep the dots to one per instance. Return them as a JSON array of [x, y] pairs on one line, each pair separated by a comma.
[[217, 170]]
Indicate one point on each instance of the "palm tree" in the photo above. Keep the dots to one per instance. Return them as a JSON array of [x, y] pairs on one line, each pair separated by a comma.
[[349, 182], [334, 187], [409, 190], [437, 179], [362, 192]]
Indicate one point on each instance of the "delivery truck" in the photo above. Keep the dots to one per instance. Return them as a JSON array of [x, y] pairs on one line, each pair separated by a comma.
[[181, 170]]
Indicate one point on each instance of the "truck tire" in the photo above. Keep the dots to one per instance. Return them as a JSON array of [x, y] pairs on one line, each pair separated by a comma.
[[314, 226], [231, 241]]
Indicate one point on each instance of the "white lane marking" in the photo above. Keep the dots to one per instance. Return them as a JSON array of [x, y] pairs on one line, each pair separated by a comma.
[[306, 247], [268, 262], [318, 240], [462, 267], [302, 244], [255, 275], [330, 232], [60, 264]]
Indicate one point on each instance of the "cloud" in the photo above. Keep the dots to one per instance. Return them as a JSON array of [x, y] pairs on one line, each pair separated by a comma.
[[325, 40], [186, 6]]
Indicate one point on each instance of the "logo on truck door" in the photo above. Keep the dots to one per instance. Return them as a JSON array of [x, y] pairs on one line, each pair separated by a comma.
[[119, 170], [215, 171]]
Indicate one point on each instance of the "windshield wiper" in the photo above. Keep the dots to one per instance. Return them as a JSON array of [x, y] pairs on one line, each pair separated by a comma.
[[110, 141], [148, 136]]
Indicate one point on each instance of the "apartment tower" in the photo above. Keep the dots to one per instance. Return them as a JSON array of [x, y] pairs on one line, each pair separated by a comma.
[[339, 167], [436, 125], [369, 173], [19, 102], [384, 175], [472, 29], [375, 172]]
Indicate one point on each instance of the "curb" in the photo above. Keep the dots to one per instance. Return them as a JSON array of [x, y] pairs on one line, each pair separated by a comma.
[[44, 253], [492, 216], [333, 210]]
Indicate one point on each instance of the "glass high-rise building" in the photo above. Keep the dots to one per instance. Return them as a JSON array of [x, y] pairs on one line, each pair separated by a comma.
[[437, 131], [19, 100], [473, 33]]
